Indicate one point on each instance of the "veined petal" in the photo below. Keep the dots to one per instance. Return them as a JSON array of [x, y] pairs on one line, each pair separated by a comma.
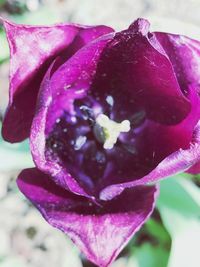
[[100, 231], [32, 50]]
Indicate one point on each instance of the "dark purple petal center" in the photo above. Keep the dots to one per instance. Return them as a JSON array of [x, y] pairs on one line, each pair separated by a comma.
[[126, 80], [77, 141]]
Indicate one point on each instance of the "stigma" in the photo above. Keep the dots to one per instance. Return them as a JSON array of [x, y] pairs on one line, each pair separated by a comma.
[[107, 131]]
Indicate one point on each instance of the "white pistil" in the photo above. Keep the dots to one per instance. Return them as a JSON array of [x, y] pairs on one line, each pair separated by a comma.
[[111, 129]]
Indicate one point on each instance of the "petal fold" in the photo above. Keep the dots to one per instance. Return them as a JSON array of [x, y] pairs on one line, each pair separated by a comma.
[[134, 62], [100, 231], [184, 54], [140, 26]]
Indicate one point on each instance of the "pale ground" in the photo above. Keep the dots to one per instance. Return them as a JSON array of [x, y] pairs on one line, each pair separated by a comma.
[[25, 239], [120, 13]]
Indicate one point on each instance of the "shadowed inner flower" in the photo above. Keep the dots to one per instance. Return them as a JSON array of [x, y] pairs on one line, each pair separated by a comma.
[[102, 140], [114, 122]]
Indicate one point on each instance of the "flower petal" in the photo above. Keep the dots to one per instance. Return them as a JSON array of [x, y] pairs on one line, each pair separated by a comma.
[[195, 169], [177, 162], [135, 63], [100, 232], [184, 54], [53, 99], [104, 67], [32, 49]]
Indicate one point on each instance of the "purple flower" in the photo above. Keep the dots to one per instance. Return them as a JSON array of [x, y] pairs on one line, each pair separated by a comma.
[[107, 114]]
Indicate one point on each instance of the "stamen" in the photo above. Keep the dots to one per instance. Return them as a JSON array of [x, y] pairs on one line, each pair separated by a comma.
[[107, 130]]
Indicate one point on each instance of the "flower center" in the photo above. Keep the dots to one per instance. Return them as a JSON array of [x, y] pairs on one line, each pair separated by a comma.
[[107, 131]]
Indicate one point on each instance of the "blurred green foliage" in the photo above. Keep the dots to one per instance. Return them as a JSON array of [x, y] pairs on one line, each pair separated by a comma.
[[151, 256], [179, 206], [14, 156], [4, 51], [43, 16], [2, 2]]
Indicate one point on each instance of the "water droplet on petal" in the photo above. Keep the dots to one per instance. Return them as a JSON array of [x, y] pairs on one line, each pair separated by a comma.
[[80, 91], [130, 148], [80, 141], [73, 119], [100, 157], [55, 145], [110, 100], [138, 118], [67, 86], [87, 112]]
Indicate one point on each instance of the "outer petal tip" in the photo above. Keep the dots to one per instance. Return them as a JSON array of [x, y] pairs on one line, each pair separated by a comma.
[[140, 26], [27, 68]]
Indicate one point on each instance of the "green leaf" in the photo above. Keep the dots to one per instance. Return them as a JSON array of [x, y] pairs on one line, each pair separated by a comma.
[[149, 256], [14, 156], [4, 50], [156, 230], [14, 160], [42, 16], [179, 206], [2, 2], [155, 251], [180, 195], [13, 262]]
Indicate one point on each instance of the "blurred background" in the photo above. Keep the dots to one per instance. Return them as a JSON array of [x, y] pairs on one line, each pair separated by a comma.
[[171, 237]]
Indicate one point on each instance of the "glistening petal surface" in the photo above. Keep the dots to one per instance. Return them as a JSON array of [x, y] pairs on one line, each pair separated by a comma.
[[32, 50], [44, 119], [184, 54], [99, 69], [99, 231]]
